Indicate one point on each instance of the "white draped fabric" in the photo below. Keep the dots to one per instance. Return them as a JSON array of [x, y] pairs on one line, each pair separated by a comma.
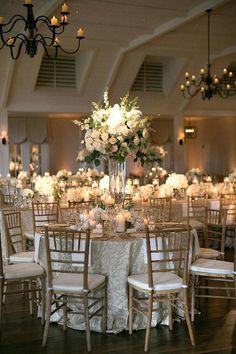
[[33, 130]]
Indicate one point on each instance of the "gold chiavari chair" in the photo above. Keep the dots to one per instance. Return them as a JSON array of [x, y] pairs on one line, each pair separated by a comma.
[[212, 278], [12, 277], [228, 203], [16, 242], [68, 280], [214, 235], [196, 206], [43, 213], [166, 279], [161, 206]]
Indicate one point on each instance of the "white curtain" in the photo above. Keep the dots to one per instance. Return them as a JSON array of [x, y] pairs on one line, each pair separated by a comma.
[[17, 130], [33, 130]]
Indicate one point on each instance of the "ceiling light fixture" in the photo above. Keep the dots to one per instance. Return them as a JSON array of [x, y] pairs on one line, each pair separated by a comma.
[[207, 84], [32, 38]]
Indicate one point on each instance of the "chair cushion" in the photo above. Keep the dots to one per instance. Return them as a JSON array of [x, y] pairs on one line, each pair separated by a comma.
[[24, 257], [30, 234], [209, 253], [22, 270], [212, 266], [196, 224], [74, 282], [161, 281]]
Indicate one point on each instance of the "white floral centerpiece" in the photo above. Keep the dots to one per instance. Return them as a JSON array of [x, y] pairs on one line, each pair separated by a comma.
[[232, 176], [179, 183], [115, 131], [23, 179]]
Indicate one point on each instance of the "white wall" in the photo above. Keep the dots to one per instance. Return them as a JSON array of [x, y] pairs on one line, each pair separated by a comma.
[[214, 149]]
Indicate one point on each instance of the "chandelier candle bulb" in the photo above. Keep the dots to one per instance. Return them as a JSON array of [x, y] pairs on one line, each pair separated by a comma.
[[225, 71], [64, 19], [64, 8], [10, 41], [54, 21], [28, 2], [80, 32], [228, 87], [202, 71], [1, 20], [56, 42]]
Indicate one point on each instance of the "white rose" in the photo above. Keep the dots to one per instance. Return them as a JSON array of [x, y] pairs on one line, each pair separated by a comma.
[[112, 140], [104, 136], [114, 148], [95, 134]]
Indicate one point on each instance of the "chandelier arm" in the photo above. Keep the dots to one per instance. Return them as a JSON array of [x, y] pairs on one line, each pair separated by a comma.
[[19, 35], [70, 52], [17, 18], [15, 57], [46, 50], [43, 40], [51, 28]]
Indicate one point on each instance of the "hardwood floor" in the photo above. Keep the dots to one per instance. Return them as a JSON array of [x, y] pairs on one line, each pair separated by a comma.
[[215, 332]]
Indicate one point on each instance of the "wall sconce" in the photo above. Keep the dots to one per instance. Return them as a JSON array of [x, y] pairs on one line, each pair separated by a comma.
[[4, 137], [190, 132], [181, 139]]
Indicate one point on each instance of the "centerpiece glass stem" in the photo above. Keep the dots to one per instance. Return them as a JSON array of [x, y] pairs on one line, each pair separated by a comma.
[[117, 179]]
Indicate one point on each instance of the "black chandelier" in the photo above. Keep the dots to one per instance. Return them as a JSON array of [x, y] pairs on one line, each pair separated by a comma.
[[32, 38], [207, 84]]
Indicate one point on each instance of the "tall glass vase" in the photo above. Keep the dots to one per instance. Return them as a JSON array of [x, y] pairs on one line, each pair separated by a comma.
[[117, 179]]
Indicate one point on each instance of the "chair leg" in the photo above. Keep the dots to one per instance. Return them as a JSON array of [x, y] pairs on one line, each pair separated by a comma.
[[87, 324], [30, 297], [186, 310], [104, 311], [4, 292], [64, 308], [131, 291], [193, 298], [43, 292], [149, 321], [170, 313], [1, 301], [47, 317]]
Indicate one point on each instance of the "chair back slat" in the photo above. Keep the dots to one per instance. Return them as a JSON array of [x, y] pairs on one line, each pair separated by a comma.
[[226, 200], [161, 207], [14, 233], [67, 249], [44, 213], [215, 228], [168, 251], [196, 208]]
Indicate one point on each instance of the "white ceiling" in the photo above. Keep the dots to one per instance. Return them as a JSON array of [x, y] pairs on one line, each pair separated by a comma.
[[119, 34]]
